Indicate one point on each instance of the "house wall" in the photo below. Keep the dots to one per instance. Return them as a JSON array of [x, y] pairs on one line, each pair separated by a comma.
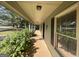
[[41, 29], [47, 38], [48, 30]]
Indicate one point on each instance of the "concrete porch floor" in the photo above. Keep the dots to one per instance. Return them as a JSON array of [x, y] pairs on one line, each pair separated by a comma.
[[42, 50]]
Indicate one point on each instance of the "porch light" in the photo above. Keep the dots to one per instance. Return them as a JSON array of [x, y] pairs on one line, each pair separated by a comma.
[[38, 7]]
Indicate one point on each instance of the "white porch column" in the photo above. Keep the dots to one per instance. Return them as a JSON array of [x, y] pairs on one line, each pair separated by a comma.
[[77, 30], [29, 26], [55, 35]]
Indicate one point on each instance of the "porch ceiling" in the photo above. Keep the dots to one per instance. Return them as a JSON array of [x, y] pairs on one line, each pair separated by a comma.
[[37, 16]]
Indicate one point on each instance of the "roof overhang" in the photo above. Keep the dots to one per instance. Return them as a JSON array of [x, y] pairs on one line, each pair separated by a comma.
[[27, 9]]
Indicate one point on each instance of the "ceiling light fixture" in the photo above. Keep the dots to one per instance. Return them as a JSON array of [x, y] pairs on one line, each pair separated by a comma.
[[38, 7]]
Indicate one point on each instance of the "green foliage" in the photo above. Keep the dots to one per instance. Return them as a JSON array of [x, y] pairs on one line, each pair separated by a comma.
[[18, 44], [10, 18]]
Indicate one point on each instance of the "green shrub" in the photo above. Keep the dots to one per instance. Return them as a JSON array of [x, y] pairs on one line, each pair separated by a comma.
[[18, 44]]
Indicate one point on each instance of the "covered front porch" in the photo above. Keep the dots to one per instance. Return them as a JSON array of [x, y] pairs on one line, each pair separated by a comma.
[[52, 24]]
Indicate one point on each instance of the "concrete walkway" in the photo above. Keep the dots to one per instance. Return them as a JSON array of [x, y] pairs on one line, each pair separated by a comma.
[[42, 50]]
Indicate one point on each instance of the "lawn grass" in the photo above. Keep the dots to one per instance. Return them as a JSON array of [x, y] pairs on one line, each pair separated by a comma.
[[5, 33]]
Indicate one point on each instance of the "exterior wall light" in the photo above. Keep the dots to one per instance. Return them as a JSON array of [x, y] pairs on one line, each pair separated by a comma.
[[46, 27]]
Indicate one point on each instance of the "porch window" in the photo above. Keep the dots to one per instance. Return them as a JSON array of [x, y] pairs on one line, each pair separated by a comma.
[[66, 33]]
